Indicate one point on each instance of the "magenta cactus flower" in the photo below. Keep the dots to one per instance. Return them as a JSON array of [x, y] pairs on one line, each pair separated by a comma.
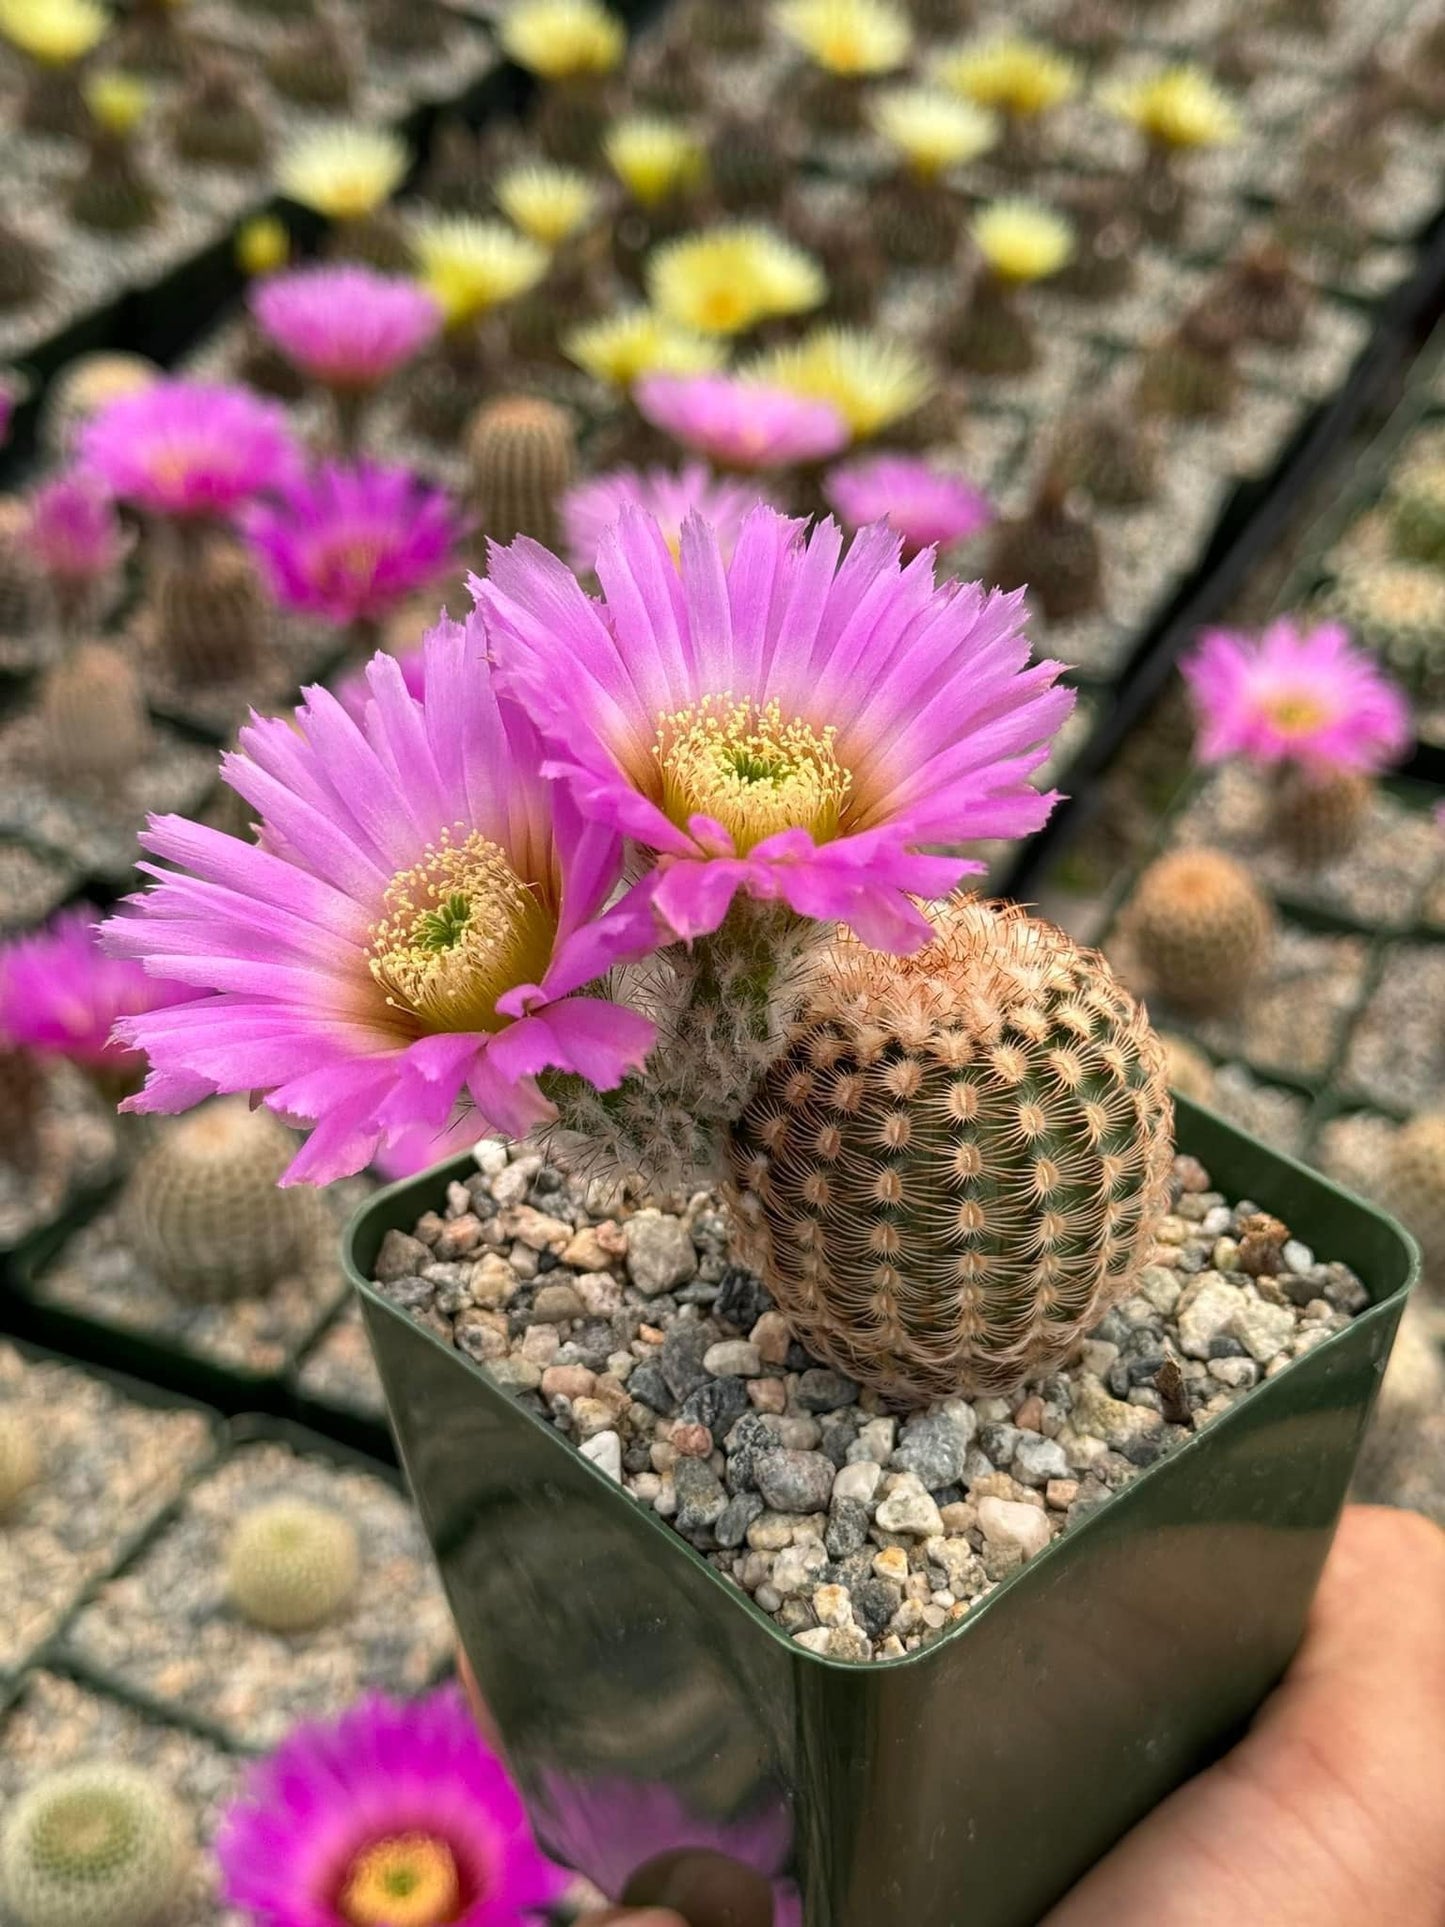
[[393, 1815], [192, 450], [349, 543], [74, 534], [928, 506], [410, 933], [742, 424], [61, 996], [785, 724], [345, 326], [1308, 697], [594, 505]]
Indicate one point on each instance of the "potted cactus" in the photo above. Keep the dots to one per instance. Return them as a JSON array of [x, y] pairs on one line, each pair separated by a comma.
[[862, 1337]]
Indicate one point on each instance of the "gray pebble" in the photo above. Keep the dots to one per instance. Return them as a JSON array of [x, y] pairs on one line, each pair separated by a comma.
[[1037, 1460], [683, 1351], [400, 1256], [935, 1448], [731, 1525], [821, 1390], [660, 1253], [701, 1500], [733, 1358], [847, 1527], [795, 1481]]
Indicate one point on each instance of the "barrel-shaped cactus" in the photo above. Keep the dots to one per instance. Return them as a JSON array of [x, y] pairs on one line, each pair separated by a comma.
[[523, 453], [22, 598], [93, 715], [1398, 609], [958, 1163], [1318, 817], [1415, 1185], [212, 619], [1417, 502], [1201, 928], [100, 1844], [291, 1565]]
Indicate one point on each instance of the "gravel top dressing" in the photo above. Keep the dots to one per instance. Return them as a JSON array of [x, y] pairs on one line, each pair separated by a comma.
[[863, 1532]]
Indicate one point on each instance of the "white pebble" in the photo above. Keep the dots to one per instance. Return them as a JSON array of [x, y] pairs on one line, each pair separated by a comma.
[[490, 1154], [857, 1481], [605, 1450], [816, 1639], [1298, 1257], [1008, 1522]]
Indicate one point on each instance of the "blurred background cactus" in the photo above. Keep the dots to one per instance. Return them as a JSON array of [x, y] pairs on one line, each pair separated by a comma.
[[101, 1844], [291, 1566]]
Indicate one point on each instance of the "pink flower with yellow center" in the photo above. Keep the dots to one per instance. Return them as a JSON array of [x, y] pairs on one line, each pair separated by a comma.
[[345, 326], [928, 506], [592, 507], [189, 449], [413, 932], [741, 424], [1292, 695], [785, 724], [392, 1816]]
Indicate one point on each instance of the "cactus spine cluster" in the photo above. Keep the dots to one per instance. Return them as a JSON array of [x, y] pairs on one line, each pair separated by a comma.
[[1201, 928], [291, 1566], [523, 455], [19, 1459], [1415, 1184], [958, 1162], [1417, 503], [93, 715], [96, 1845], [202, 1207]]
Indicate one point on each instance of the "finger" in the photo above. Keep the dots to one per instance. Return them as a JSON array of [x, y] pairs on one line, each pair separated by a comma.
[[1331, 1811]]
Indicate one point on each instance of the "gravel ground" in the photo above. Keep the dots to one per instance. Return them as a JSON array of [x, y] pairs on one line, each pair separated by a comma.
[[108, 1468], [1397, 1053], [165, 1629], [57, 1723], [78, 1143], [863, 1534], [338, 1370], [1267, 1111], [32, 885]]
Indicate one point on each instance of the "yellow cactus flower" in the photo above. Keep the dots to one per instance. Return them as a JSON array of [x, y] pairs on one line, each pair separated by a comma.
[[473, 266], [847, 37], [56, 33], [344, 171], [654, 158], [563, 39], [1176, 107], [1023, 240], [549, 204], [725, 281], [621, 348], [872, 379], [1018, 76], [117, 101], [931, 130], [263, 245]]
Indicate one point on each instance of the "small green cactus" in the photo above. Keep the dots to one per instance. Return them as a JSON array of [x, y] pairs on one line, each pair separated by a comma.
[[1107, 240], [19, 1458], [93, 715], [1190, 374], [1050, 551], [523, 455], [1415, 1185], [957, 1164], [1318, 818], [212, 618], [217, 124], [1262, 297], [991, 334], [112, 193], [313, 66], [22, 592], [24, 268], [749, 167], [1110, 455], [203, 1210], [1201, 927], [1417, 502], [96, 1845], [291, 1566], [917, 223], [1398, 610]]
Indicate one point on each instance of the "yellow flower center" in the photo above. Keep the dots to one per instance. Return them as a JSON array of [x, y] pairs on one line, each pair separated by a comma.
[[460, 929], [750, 769], [408, 1881], [1295, 713]]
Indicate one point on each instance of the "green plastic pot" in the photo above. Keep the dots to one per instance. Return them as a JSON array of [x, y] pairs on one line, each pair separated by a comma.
[[650, 1710]]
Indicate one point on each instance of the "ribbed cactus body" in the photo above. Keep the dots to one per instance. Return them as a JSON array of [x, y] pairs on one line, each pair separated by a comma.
[[212, 619], [291, 1566], [1261, 297], [1111, 455], [19, 1458], [1417, 503], [523, 453], [917, 224], [93, 715], [1202, 929], [1106, 239], [1318, 818], [313, 66], [218, 125], [991, 334], [1051, 552], [112, 194], [202, 1206], [957, 1164], [1190, 374], [22, 592], [97, 1845], [748, 166], [1398, 610], [1415, 1185], [24, 268]]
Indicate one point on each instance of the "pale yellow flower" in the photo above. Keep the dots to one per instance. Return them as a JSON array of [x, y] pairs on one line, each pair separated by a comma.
[[1177, 107], [56, 33], [654, 158], [1016, 75], [621, 348], [344, 171], [846, 37], [117, 101], [563, 39], [726, 280], [1023, 240], [932, 130], [262, 245], [473, 266], [549, 204], [872, 379]]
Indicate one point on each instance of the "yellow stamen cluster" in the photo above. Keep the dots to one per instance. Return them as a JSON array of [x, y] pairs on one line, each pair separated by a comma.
[[621, 348], [344, 171], [1016, 75], [460, 928], [472, 266], [654, 158], [410, 1880], [563, 39], [1022, 240], [931, 130], [872, 379], [262, 245], [57, 33], [751, 769], [1177, 107], [729, 279], [1296, 712], [847, 37], [548, 203], [117, 101]]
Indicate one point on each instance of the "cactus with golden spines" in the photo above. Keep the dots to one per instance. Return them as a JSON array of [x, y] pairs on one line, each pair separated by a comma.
[[93, 715], [291, 1565], [523, 455], [1201, 928], [1415, 1185], [957, 1163], [1318, 816]]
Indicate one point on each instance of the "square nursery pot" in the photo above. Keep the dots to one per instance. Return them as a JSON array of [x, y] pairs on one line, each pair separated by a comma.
[[649, 1707]]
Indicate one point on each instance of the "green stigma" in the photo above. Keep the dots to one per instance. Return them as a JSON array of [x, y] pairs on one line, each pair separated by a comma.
[[444, 927]]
